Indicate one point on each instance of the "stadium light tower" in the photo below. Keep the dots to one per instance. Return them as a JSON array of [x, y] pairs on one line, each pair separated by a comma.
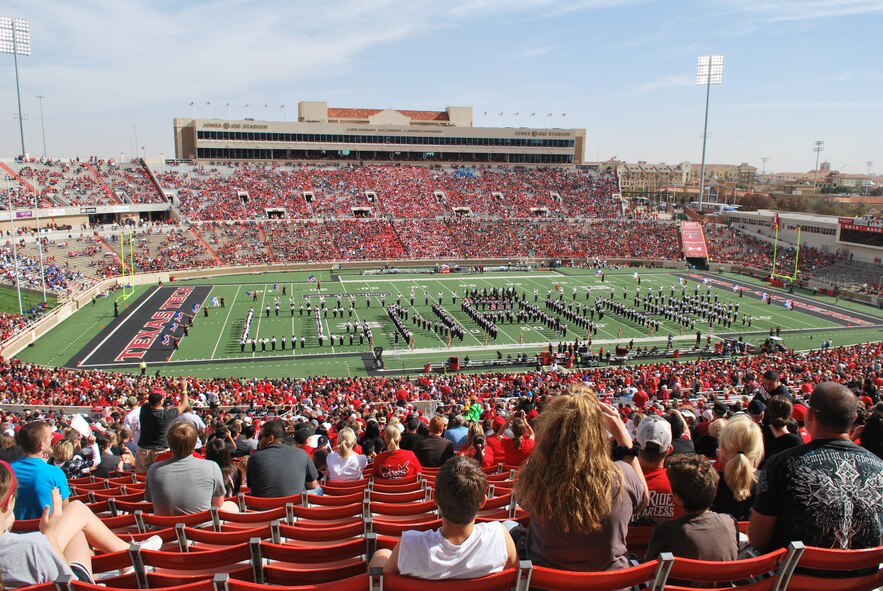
[[40, 97], [818, 147], [709, 70], [8, 183], [15, 38]]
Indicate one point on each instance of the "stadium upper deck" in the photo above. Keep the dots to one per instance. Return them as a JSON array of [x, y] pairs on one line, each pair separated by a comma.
[[375, 135]]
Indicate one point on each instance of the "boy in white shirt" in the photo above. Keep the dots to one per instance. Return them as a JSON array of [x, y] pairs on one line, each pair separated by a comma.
[[461, 548]]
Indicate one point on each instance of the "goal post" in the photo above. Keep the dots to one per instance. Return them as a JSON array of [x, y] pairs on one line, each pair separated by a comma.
[[793, 277], [128, 284]]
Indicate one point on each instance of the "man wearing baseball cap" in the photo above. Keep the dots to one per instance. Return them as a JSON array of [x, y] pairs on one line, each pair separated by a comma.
[[155, 421], [654, 439], [771, 385]]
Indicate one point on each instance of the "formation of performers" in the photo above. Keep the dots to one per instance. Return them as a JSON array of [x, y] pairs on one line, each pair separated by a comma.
[[490, 306]]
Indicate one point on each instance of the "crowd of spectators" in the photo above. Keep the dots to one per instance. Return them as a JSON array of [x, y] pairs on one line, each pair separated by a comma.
[[596, 452], [248, 190], [62, 183], [130, 179], [727, 245], [23, 383]]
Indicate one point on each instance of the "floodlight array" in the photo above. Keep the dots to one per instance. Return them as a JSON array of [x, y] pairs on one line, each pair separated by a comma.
[[710, 64], [15, 36]]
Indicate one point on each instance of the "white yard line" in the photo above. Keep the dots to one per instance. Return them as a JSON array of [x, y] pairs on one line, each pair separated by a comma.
[[226, 320]]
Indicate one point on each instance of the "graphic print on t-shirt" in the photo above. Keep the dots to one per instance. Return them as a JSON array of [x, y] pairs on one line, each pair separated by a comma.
[[839, 496]]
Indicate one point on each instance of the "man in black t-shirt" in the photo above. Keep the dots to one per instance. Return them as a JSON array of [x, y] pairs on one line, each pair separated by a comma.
[[828, 493], [277, 469], [770, 386], [155, 421], [434, 450], [410, 438]]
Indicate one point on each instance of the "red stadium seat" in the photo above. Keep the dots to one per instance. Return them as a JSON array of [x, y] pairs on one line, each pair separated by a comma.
[[382, 497], [262, 503], [339, 533], [825, 559], [162, 521], [253, 518], [761, 572], [333, 500], [502, 581], [355, 583], [403, 509], [177, 568], [202, 585], [297, 564], [653, 573], [327, 513], [187, 535], [384, 527]]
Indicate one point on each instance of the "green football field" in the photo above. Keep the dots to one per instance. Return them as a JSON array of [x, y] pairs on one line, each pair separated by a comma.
[[212, 347], [29, 299]]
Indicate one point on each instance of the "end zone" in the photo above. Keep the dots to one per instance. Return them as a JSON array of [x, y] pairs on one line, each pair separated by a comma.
[[144, 331]]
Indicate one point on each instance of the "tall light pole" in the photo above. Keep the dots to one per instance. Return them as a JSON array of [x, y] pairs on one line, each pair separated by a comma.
[[15, 38], [764, 159], [870, 163], [818, 147], [14, 241], [709, 70], [39, 238], [40, 97]]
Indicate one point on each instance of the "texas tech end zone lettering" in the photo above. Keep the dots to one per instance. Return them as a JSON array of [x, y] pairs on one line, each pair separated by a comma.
[[153, 328]]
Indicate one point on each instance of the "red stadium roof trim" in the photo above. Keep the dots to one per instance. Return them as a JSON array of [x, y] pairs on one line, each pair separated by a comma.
[[335, 113]]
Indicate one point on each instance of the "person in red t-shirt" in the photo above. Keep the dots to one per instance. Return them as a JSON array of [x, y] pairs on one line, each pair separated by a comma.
[[395, 463], [640, 398], [518, 447], [494, 429], [654, 439]]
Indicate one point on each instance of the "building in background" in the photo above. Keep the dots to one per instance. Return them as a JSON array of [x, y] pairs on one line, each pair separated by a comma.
[[322, 133]]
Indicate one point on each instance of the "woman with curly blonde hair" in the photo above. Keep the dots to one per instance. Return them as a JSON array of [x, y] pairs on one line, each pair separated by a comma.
[[580, 501]]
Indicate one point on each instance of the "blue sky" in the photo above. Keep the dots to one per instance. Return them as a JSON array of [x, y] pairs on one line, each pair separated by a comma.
[[796, 71]]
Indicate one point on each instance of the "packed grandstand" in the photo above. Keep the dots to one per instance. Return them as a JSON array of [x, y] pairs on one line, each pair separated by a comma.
[[372, 458]]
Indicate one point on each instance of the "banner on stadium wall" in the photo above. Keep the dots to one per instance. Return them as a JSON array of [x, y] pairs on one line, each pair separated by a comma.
[[693, 238]]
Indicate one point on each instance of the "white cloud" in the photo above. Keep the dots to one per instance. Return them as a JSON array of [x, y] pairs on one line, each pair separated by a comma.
[[137, 54], [529, 52], [799, 10]]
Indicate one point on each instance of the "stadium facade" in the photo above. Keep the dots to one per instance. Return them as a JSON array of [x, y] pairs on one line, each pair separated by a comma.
[[375, 135]]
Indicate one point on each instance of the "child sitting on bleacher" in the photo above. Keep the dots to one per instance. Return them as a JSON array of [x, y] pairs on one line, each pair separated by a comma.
[[699, 533], [461, 548]]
